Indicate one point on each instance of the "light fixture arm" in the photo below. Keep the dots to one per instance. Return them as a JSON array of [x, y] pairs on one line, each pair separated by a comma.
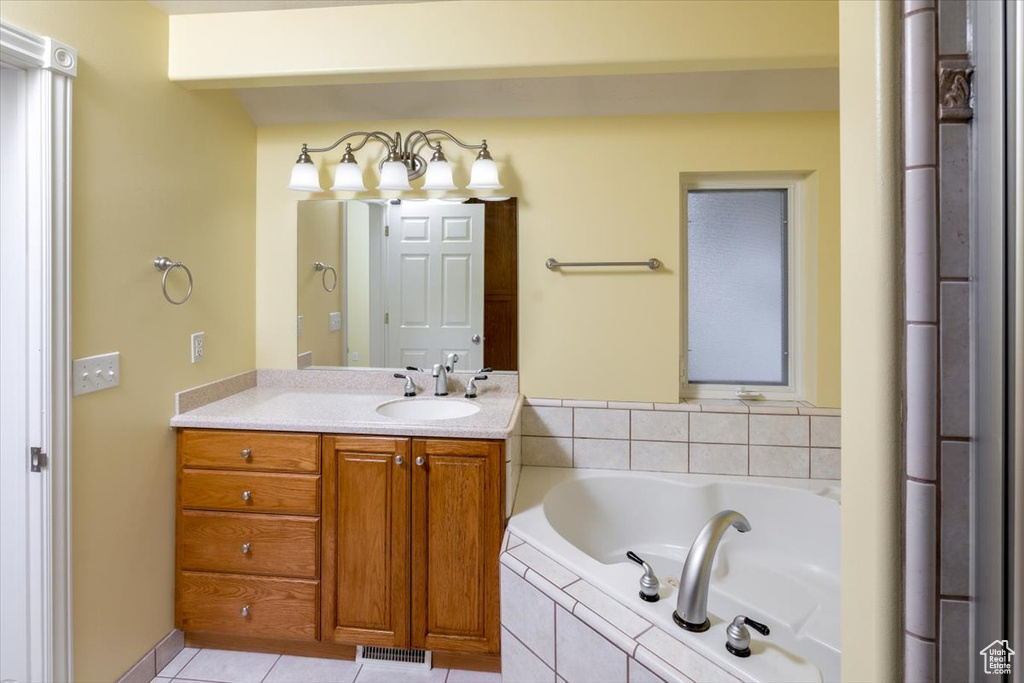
[[383, 138], [425, 135]]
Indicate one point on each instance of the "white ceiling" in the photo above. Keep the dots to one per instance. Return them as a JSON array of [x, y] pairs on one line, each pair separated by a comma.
[[212, 6], [680, 93]]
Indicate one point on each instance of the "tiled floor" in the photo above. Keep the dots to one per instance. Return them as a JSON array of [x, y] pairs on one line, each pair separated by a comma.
[[224, 666]]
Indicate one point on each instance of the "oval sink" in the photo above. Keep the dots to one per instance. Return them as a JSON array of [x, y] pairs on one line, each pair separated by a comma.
[[427, 409]]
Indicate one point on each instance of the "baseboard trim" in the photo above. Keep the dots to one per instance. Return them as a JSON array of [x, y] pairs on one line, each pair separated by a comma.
[[159, 656], [311, 648]]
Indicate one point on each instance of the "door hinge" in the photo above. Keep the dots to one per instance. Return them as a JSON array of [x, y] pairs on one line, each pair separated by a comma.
[[37, 459], [387, 318], [387, 231]]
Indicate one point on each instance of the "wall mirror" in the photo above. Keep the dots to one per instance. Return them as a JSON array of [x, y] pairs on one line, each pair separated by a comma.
[[394, 283]]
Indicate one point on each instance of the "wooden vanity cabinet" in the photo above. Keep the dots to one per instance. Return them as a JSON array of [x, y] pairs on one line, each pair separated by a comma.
[[411, 538], [312, 544], [248, 534]]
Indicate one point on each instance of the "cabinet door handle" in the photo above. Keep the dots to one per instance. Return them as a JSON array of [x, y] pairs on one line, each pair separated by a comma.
[[419, 461], [244, 611], [399, 460], [246, 453], [247, 495], [246, 547]]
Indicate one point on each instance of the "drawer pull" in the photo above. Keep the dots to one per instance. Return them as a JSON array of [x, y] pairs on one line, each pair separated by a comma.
[[246, 547], [246, 453], [244, 611], [247, 496]]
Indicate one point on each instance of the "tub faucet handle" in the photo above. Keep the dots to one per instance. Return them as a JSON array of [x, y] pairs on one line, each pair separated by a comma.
[[738, 637], [649, 583]]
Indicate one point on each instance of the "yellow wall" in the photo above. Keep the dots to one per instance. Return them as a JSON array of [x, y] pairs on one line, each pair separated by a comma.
[[321, 241], [500, 38], [357, 277], [872, 320], [593, 188], [157, 170]]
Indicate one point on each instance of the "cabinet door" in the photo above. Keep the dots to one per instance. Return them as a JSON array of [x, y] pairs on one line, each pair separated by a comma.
[[457, 527], [365, 565]]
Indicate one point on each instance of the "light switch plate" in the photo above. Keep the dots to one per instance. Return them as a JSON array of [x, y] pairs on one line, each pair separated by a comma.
[[298, 327], [334, 321], [96, 373]]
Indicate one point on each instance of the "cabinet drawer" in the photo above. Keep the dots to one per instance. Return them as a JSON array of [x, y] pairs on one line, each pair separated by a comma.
[[250, 543], [251, 491], [267, 451], [246, 605]]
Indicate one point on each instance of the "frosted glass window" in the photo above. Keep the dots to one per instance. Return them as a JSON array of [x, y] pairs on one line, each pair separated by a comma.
[[737, 287]]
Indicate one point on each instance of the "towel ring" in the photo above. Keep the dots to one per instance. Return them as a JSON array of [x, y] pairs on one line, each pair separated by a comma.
[[167, 265], [323, 269]]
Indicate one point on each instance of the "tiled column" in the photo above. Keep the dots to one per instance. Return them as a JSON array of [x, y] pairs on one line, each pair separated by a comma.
[[954, 464], [937, 448], [920, 494]]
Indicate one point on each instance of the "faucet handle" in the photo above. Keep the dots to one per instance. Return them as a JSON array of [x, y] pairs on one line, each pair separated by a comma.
[[471, 385], [649, 583], [410, 387], [757, 626], [414, 369], [738, 637]]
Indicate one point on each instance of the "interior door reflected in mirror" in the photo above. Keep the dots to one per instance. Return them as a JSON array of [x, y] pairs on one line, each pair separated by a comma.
[[391, 284]]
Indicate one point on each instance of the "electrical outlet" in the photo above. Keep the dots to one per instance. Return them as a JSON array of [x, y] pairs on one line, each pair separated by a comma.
[[334, 322], [298, 327], [355, 356], [198, 346], [96, 373]]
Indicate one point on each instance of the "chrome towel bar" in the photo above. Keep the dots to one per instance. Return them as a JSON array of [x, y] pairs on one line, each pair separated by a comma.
[[554, 264]]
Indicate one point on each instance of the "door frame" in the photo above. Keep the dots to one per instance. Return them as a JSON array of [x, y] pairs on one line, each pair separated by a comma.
[[50, 67]]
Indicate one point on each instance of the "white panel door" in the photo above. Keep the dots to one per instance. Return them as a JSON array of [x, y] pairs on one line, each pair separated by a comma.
[[435, 295], [21, 523]]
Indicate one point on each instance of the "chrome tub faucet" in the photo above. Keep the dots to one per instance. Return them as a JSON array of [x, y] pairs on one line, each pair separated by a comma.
[[692, 604]]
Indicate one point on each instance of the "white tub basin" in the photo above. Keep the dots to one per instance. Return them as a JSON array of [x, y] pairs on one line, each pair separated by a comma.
[[427, 409], [784, 572]]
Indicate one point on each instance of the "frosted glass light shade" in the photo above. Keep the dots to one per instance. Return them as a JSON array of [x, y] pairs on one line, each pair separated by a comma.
[[305, 178], [348, 176], [484, 175], [439, 176], [394, 176]]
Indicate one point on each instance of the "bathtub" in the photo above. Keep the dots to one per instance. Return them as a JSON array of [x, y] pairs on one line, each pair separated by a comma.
[[784, 572]]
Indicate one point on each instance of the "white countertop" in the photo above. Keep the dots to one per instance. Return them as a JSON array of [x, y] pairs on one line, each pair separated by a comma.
[[347, 411]]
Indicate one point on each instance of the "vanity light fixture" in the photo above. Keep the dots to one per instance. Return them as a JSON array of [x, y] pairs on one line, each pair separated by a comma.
[[403, 162]]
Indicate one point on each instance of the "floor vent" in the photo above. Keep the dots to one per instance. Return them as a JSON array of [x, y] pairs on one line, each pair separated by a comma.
[[393, 656]]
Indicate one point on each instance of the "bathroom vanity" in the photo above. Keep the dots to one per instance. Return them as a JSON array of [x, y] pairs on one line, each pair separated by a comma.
[[374, 532]]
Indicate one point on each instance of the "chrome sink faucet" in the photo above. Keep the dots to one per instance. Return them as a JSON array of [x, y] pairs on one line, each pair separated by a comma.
[[440, 374], [692, 604]]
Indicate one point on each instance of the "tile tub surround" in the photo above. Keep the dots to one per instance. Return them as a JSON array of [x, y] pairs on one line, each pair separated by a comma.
[[748, 438], [569, 523], [556, 624]]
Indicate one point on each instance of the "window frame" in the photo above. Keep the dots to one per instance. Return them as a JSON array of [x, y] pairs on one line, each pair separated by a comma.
[[800, 278]]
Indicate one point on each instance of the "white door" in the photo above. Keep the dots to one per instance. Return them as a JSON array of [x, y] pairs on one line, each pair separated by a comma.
[[435, 298], [21, 508]]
